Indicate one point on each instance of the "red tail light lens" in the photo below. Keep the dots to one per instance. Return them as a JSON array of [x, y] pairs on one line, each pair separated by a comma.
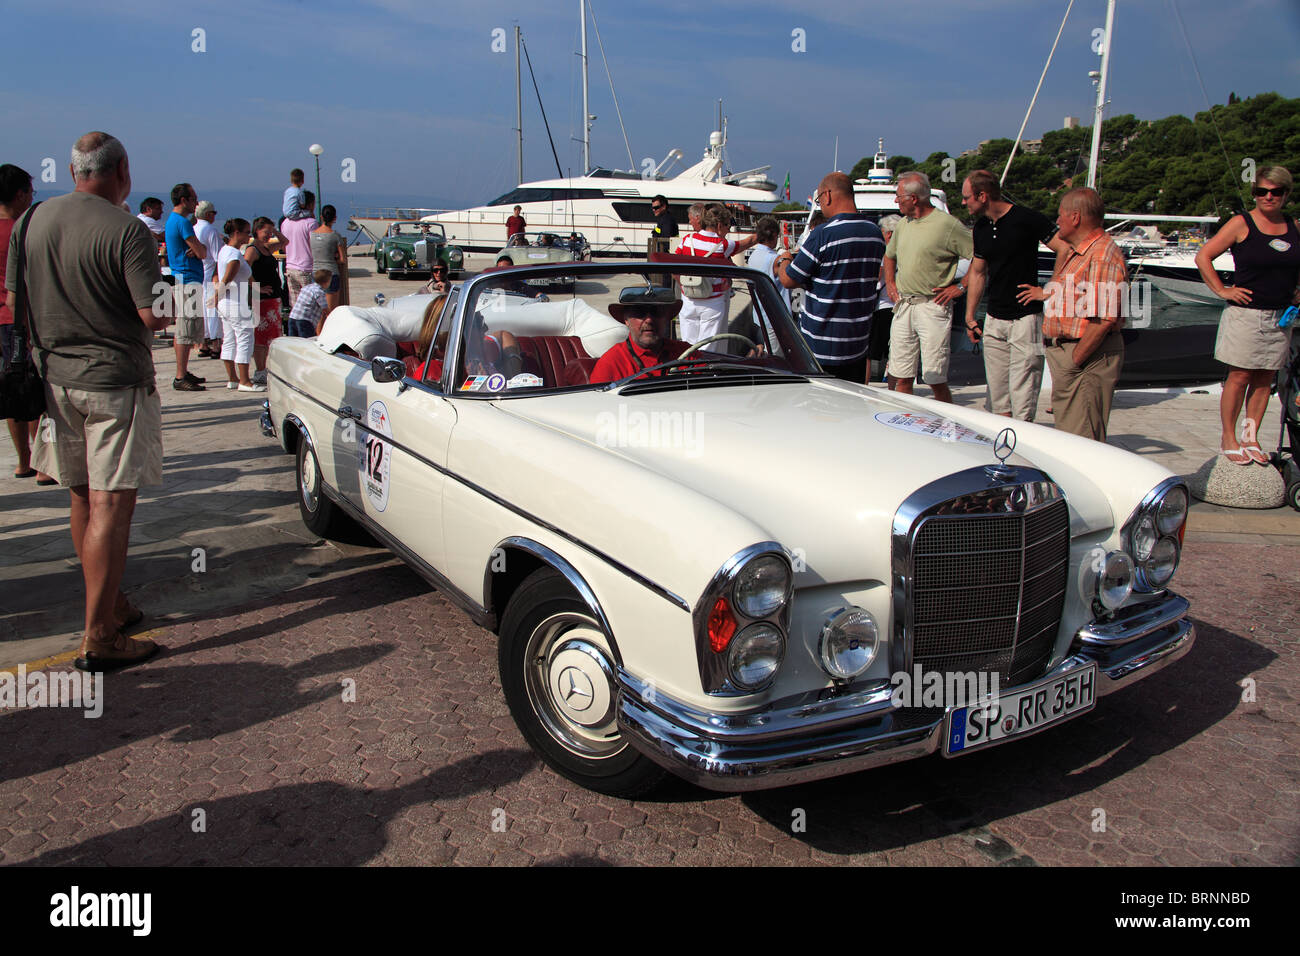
[[722, 625]]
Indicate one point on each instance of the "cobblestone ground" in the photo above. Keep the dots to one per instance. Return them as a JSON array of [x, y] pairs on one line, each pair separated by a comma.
[[244, 719]]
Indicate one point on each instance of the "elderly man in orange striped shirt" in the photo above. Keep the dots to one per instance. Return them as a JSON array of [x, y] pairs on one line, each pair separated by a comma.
[[1082, 317]]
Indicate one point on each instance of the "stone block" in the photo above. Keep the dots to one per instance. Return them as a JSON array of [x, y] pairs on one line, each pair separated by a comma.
[[1220, 482]]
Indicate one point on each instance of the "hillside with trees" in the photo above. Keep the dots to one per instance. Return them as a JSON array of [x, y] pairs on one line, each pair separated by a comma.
[[1173, 165]]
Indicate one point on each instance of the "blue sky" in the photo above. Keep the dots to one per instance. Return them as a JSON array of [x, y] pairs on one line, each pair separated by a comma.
[[413, 93]]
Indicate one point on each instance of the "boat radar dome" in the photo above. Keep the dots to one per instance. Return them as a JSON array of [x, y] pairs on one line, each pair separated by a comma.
[[715, 138]]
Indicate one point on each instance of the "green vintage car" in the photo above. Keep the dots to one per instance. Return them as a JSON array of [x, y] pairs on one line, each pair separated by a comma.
[[412, 246]]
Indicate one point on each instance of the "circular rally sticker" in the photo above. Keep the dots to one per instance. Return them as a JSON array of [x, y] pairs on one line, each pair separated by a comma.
[[496, 382], [933, 426]]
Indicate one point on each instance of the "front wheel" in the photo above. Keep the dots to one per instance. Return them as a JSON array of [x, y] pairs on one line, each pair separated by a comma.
[[557, 672]]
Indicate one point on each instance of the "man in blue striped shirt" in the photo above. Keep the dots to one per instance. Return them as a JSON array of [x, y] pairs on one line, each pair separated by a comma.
[[838, 265]]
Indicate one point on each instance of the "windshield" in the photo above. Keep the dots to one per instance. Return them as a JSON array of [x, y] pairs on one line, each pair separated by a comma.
[[417, 229], [534, 330]]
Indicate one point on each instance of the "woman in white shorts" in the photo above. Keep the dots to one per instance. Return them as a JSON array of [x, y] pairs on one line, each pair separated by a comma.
[[237, 319], [1265, 246]]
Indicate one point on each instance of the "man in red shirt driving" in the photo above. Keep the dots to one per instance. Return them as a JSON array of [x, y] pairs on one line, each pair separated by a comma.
[[647, 343]]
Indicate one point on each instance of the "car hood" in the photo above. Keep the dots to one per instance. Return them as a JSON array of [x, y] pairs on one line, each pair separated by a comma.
[[823, 465]]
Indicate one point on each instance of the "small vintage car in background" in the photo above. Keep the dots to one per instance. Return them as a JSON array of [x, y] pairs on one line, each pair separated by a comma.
[[411, 246], [543, 248], [726, 565]]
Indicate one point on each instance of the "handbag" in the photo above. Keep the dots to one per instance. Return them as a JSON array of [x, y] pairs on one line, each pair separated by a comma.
[[22, 393]]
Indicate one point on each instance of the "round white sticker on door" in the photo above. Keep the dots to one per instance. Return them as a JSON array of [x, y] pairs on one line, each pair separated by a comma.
[[375, 456]]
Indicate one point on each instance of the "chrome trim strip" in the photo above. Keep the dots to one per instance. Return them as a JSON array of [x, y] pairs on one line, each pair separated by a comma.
[[670, 596], [481, 616], [802, 739], [1135, 621], [560, 564]]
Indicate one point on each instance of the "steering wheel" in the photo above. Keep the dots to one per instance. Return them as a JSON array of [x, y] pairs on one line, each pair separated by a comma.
[[714, 338]]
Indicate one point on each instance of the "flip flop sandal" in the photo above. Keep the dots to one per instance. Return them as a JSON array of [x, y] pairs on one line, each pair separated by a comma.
[[30, 472], [1238, 456], [1255, 453], [47, 481]]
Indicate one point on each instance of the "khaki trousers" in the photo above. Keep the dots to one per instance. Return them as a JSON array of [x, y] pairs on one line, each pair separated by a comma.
[[1013, 365], [1081, 397]]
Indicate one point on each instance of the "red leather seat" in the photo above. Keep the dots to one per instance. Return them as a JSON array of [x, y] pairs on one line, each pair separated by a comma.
[[578, 371], [549, 356]]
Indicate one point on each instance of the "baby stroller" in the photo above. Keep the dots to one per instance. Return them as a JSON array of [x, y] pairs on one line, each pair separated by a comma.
[[1288, 442]]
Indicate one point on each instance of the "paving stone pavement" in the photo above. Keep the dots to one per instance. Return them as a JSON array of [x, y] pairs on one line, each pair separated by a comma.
[[245, 716]]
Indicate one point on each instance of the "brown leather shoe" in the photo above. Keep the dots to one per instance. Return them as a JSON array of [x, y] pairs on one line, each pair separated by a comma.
[[121, 651]]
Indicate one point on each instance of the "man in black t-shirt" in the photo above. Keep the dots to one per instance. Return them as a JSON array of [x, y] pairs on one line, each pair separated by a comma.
[[1006, 239], [665, 224]]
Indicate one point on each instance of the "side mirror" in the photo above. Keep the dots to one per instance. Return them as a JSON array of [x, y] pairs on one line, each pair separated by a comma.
[[384, 369], [380, 298]]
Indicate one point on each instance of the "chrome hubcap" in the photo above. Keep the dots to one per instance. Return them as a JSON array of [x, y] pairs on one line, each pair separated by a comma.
[[309, 480], [570, 684]]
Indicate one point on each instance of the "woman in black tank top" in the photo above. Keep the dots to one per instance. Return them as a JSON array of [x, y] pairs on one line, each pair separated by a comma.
[[266, 278], [1265, 246]]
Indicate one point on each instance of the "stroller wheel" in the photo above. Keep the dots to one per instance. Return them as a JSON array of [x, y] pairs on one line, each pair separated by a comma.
[[1293, 495]]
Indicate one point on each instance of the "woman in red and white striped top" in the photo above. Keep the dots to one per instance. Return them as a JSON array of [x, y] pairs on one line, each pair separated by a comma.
[[703, 316]]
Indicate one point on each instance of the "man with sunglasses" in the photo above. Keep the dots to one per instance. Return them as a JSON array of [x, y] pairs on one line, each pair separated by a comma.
[[1265, 248], [665, 225]]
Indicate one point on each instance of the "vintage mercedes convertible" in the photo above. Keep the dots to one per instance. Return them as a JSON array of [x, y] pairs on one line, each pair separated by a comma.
[[729, 566]]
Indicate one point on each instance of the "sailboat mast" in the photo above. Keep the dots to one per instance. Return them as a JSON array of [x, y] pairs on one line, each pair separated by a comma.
[[519, 108], [1101, 97], [586, 113]]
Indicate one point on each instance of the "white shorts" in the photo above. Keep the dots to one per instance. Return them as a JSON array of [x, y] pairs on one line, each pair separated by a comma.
[[236, 341], [701, 318], [920, 332]]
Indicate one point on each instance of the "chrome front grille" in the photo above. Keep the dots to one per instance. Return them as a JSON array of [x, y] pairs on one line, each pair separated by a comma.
[[981, 578]]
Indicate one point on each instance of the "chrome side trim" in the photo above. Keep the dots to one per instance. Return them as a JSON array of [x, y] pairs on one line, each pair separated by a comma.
[[560, 564], [480, 615], [670, 596]]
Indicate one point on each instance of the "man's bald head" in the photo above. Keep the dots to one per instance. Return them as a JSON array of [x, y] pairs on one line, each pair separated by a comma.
[[835, 194]]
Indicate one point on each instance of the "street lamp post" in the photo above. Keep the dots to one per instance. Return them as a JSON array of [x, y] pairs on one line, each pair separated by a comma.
[[316, 149]]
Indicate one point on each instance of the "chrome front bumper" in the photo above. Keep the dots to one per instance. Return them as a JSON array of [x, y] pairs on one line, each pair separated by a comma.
[[811, 739], [265, 422]]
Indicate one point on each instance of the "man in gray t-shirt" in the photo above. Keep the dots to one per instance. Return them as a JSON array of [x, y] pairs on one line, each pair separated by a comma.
[[95, 296]]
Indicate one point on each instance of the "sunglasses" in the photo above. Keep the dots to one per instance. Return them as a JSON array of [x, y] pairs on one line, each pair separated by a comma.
[[1278, 191]]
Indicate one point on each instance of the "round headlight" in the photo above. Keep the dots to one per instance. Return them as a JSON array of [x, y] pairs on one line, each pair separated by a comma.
[[1171, 512], [761, 586], [396, 255], [754, 656], [1115, 583], [848, 643], [1163, 562], [1144, 538], [455, 254]]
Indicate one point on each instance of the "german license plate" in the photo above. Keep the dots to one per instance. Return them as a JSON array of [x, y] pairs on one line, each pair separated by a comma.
[[1021, 712]]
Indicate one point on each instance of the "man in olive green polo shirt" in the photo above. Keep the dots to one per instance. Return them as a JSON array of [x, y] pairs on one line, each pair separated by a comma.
[[920, 274]]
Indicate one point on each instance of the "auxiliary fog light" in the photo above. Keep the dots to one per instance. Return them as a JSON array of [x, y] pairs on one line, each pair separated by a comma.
[[1115, 583], [848, 643], [754, 656]]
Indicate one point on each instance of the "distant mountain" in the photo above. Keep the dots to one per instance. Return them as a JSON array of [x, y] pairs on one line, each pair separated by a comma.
[[1173, 165]]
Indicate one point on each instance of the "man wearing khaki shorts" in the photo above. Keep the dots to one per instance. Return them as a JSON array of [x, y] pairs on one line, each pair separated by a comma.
[[920, 273], [91, 276]]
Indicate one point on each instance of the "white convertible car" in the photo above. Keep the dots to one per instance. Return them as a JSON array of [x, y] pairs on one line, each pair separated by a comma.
[[730, 566]]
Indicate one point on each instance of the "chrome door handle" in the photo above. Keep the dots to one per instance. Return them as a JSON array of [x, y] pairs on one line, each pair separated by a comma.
[[347, 411]]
